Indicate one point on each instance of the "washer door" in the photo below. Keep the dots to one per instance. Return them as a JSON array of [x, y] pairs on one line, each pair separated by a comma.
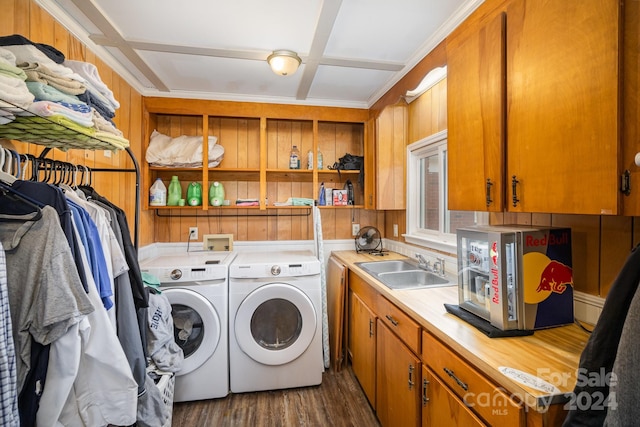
[[275, 324], [196, 326]]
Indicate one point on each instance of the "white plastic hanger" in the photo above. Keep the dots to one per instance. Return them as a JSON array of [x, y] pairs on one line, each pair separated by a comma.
[[5, 166]]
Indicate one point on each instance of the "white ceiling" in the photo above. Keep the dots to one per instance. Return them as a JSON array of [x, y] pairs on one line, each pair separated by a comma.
[[352, 51]]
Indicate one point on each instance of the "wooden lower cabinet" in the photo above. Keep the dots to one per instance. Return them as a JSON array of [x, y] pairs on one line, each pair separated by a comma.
[[440, 407], [397, 382], [362, 345], [490, 402]]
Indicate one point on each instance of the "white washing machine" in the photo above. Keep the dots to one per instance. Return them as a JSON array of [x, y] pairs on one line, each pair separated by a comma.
[[275, 321], [196, 285]]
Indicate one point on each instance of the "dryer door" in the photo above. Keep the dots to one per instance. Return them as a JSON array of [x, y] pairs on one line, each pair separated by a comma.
[[196, 327], [275, 324]]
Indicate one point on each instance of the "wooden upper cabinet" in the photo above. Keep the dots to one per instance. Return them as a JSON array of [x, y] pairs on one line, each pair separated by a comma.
[[631, 99], [533, 99], [475, 114], [390, 149], [563, 106]]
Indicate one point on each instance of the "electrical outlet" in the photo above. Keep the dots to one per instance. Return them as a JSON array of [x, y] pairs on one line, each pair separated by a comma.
[[193, 233], [355, 228], [395, 230]]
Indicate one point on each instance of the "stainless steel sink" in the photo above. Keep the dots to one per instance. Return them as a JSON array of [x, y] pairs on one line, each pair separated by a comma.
[[403, 274], [377, 267], [411, 279]]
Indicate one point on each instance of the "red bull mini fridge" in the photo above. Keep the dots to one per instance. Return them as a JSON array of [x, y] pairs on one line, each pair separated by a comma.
[[516, 277]]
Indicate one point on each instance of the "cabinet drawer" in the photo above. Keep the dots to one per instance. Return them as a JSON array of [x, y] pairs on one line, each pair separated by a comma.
[[401, 324], [364, 290], [486, 399]]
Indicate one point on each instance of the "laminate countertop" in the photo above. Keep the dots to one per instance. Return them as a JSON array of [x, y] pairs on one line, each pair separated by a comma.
[[549, 354]]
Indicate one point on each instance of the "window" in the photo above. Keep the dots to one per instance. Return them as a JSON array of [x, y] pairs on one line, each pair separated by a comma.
[[429, 221]]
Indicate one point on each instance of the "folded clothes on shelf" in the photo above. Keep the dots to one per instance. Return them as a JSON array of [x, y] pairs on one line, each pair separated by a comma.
[[295, 201], [247, 202]]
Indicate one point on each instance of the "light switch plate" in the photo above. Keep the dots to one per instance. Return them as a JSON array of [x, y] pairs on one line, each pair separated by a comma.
[[217, 242]]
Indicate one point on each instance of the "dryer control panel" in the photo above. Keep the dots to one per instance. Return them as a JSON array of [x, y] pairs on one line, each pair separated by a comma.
[[255, 265]]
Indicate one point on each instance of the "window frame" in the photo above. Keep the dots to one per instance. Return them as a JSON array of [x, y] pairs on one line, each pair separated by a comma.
[[437, 240]]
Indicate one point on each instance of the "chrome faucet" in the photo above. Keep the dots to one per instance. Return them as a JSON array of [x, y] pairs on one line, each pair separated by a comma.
[[423, 263], [438, 267]]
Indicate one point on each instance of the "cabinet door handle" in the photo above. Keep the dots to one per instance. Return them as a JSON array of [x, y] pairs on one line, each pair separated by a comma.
[[370, 328], [411, 383], [488, 192], [425, 399], [391, 319], [625, 183], [514, 191], [458, 381]]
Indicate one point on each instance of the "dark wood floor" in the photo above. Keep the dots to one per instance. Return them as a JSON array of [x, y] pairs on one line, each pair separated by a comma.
[[337, 402]]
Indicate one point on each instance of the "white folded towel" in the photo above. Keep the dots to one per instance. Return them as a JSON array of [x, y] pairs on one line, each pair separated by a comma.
[[30, 53], [15, 92], [90, 73]]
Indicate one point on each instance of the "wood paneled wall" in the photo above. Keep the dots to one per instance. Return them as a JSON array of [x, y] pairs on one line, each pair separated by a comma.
[[26, 18], [601, 243]]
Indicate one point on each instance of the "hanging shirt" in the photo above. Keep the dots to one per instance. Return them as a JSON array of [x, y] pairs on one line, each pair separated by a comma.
[[9, 416], [89, 382], [45, 294], [51, 196]]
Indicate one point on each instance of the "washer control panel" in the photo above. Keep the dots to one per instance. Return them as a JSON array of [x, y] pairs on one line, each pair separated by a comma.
[[171, 275]]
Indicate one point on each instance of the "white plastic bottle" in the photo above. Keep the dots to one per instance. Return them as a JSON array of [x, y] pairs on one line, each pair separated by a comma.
[[158, 194], [310, 159]]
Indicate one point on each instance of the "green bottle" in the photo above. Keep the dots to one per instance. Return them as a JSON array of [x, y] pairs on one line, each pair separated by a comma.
[[194, 194], [216, 194], [175, 192]]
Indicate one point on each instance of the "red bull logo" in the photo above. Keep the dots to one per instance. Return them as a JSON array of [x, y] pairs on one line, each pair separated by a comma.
[[543, 277], [495, 281], [547, 240], [493, 253], [555, 278]]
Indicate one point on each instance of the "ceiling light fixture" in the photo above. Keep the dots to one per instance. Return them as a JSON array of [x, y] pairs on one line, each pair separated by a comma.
[[284, 62]]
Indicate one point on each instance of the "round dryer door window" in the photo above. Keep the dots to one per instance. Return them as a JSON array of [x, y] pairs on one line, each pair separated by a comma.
[[275, 324], [196, 327]]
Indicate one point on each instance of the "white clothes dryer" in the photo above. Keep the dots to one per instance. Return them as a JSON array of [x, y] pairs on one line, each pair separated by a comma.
[[275, 321], [196, 285]]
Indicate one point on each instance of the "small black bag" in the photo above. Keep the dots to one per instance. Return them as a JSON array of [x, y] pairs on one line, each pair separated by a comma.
[[350, 162]]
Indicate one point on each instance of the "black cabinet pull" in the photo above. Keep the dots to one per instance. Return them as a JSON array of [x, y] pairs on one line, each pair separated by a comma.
[[392, 320], [514, 191], [625, 183], [488, 191], [458, 381], [370, 328], [411, 383], [425, 399]]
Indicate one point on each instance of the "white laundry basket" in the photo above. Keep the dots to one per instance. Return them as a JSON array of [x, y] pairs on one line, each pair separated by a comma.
[[165, 385]]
